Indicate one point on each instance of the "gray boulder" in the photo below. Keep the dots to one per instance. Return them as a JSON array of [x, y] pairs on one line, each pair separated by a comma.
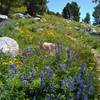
[[3, 17], [20, 15], [9, 46]]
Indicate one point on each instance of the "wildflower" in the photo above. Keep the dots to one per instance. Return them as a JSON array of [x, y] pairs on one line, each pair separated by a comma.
[[28, 52], [68, 56], [34, 98], [63, 67], [81, 84], [30, 77], [58, 97], [70, 98], [14, 65], [21, 77], [62, 82], [70, 84], [86, 97], [33, 72], [48, 96], [25, 82], [41, 75], [68, 53], [82, 68], [49, 72], [78, 78], [78, 95]]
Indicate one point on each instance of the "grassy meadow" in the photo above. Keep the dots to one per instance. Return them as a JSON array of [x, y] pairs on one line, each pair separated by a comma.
[[34, 74]]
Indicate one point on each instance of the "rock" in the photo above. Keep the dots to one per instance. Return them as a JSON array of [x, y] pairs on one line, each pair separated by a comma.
[[93, 31], [9, 45], [46, 46], [20, 15], [3, 17], [28, 16], [36, 18]]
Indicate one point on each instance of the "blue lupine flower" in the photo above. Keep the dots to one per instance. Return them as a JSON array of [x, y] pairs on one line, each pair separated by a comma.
[[68, 56], [68, 53], [21, 77], [30, 77], [28, 52], [62, 82], [34, 98], [13, 65], [33, 72], [48, 96], [82, 68], [91, 89], [41, 75], [42, 84], [70, 98], [25, 82], [78, 95], [78, 78], [49, 72], [81, 84], [70, 84], [86, 97], [63, 67], [58, 97]]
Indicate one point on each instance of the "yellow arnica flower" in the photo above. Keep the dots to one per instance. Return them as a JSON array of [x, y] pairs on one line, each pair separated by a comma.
[[51, 33]]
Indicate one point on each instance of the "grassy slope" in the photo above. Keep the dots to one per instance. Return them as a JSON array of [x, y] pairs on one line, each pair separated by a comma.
[[28, 33]]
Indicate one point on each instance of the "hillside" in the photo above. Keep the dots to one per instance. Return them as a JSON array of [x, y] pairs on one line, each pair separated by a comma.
[[30, 34]]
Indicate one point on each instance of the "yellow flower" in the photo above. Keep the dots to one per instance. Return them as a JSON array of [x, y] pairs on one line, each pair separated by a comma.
[[51, 34]]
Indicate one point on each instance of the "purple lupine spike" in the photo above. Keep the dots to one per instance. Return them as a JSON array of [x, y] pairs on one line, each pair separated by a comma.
[[70, 84], [82, 68], [21, 77], [58, 97], [34, 98], [30, 77], [14, 65], [49, 96], [41, 75], [33, 72], [90, 87], [68, 57], [78, 78], [49, 72], [28, 52], [63, 67], [68, 53], [62, 82], [81, 84], [70, 98], [25, 82], [86, 97], [78, 95]]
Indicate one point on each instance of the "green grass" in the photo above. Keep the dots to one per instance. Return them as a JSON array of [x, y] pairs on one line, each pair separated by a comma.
[[28, 33]]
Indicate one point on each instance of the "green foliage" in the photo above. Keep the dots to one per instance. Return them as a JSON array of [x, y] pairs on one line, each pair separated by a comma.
[[6, 5], [71, 11], [28, 33], [87, 18], [35, 7], [96, 14]]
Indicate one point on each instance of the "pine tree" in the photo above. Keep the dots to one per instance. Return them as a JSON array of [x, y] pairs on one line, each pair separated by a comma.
[[6, 5], [71, 11], [35, 7], [87, 18], [96, 14]]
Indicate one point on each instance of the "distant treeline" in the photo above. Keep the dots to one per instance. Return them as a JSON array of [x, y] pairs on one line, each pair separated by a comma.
[[33, 7]]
